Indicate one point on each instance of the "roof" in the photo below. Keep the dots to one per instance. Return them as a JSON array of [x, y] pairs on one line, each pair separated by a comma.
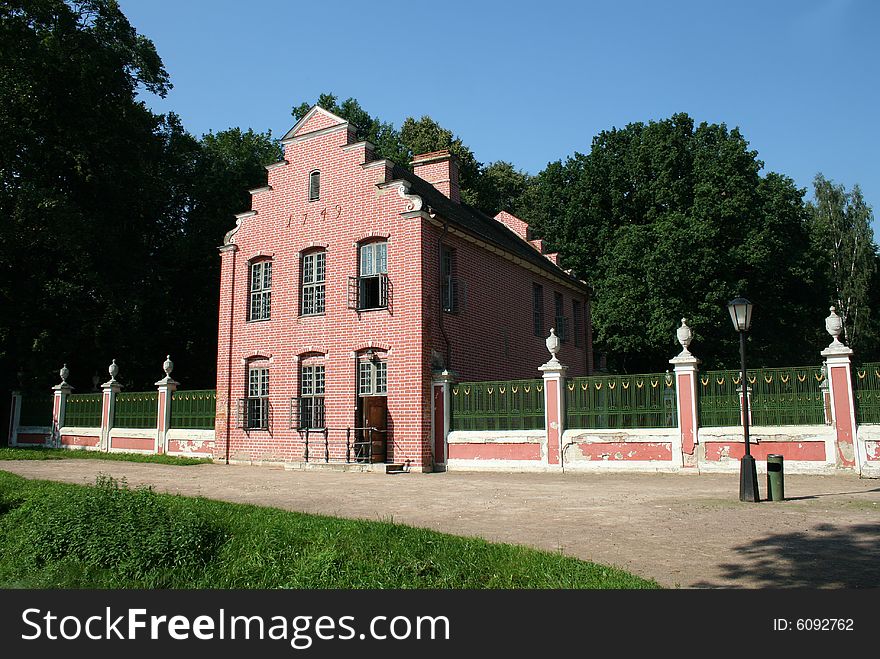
[[479, 224]]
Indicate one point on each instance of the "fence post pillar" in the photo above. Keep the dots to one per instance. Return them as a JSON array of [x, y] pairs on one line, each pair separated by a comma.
[[686, 372], [837, 362], [441, 416], [167, 387], [14, 416], [554, 401], [108, 405], [59, 406]]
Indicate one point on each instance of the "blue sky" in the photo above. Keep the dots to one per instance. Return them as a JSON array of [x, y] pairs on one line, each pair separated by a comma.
[[532, 82]]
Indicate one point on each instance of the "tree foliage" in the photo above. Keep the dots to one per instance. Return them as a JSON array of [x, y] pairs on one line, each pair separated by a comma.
[[666, 220], [111, 214], [844, 242]]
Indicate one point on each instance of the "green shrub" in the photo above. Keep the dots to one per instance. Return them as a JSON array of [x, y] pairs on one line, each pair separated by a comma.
[[140, 536]]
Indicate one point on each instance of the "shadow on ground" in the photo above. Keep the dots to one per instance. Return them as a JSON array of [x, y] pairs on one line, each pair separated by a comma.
[[827, 556]]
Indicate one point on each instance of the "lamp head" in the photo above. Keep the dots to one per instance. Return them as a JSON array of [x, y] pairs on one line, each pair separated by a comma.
[[740, 314]]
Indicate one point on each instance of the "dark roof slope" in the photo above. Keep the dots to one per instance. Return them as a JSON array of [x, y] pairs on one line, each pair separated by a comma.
[[479, 224]]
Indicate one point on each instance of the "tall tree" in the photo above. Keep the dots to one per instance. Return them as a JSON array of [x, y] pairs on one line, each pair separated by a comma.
[[79, 191], [842, 234], [111, 213], [666, 220]]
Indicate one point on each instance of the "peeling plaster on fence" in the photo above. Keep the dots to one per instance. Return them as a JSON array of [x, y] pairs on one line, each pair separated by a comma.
[[637, 449], [191, 442], [807, 449], [504, 450], [869, 449], [78, 438]]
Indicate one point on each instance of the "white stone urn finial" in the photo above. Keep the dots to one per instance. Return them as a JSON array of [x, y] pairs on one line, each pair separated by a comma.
[[168, 366], [834, 325], [685, 335], [552, 343], [64, 372], [114, 369]]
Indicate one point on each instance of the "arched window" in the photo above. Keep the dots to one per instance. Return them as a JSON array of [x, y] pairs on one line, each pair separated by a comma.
[[311, 395], [314, 185], [260, 292], [254, 410], [314, 269]]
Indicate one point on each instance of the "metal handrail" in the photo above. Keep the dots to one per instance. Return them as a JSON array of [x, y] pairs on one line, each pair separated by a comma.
[[349, 444]]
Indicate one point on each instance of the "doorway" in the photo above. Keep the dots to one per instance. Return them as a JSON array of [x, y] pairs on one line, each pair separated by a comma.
[[373, 421]]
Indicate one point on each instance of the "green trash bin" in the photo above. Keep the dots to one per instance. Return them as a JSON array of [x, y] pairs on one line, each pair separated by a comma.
[[775, 477]]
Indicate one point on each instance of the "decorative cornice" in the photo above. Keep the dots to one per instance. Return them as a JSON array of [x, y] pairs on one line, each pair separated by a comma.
[[275, 165], [402, 188], [229, 238], [265, 188]]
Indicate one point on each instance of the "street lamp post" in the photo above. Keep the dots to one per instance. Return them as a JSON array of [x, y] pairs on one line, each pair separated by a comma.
[[741, 314]]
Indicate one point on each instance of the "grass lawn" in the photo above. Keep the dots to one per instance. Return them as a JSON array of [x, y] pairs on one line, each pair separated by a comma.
[[54, 535], [40, 453]]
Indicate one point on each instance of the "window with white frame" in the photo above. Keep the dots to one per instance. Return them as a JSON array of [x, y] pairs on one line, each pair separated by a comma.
[[260, 291], [257, 409], [311, 397], [314, 267], [373, 378]]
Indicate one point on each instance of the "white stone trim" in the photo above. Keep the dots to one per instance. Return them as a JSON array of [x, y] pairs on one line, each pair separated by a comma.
[[355, 145], [315, 109], [457, 464], [868, 432], [612, 435], [384, 162], [496, 437], [317, 133], [265, 188], [35, 430], [82, 432], [229, 238]]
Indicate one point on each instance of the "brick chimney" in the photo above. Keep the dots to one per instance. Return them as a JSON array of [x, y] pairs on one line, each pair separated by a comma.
[[440, 169]]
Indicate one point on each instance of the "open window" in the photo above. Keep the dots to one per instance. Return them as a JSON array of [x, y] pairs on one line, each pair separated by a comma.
[[371, 289]]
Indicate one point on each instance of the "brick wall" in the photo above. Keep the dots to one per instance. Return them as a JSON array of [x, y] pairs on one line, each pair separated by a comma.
[[490, 338]]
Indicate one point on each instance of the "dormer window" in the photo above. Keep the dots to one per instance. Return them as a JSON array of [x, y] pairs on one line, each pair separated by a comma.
[[315, 185]]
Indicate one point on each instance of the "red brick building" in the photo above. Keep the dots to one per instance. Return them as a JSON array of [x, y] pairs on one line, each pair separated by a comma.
[[351, 281]]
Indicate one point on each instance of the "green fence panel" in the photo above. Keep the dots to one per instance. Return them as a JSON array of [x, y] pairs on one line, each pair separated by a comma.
[[36, 410], [83, 410], [136, 409], [621, 401], [779, 397], [498, 405], [193, 409], [866, 385]]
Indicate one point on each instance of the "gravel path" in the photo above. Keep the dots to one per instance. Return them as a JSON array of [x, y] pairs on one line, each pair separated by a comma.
[[682, 530]]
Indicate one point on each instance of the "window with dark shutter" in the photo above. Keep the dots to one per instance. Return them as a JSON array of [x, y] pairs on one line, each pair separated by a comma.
[[315, 186], [538, 309]]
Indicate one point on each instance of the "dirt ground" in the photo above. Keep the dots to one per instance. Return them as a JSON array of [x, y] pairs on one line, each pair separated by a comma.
[[687, 531]]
